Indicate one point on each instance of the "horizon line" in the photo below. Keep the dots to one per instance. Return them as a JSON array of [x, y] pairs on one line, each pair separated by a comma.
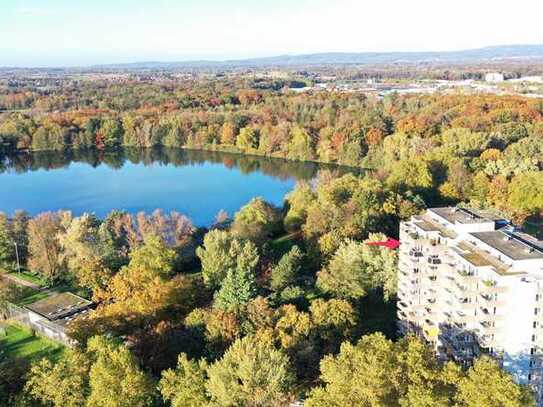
[[215, 60]]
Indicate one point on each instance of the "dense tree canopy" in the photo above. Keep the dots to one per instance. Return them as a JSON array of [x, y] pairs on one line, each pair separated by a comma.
[[377, 372], [250, 308]]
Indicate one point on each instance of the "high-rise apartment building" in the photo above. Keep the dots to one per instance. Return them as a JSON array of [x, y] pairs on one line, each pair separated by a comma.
[[470, 283]]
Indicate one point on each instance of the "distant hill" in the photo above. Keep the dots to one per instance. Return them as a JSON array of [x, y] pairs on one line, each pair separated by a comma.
[[501, 52]]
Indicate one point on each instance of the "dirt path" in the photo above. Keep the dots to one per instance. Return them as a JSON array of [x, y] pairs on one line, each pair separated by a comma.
[[20, 281]]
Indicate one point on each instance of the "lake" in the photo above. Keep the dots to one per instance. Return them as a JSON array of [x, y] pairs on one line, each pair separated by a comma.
[[195, 183]]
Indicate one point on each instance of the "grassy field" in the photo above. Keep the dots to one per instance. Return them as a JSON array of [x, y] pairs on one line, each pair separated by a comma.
[[30, 277], [21, 343]]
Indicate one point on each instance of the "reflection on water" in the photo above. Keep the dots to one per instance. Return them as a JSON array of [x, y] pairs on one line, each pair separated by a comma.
[[196, 183]]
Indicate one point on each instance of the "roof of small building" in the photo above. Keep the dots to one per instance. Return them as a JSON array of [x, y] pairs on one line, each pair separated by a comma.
[[59, 305]]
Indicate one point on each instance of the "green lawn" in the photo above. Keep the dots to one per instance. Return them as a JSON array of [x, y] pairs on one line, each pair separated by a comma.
[[20, 343], [30, 277]]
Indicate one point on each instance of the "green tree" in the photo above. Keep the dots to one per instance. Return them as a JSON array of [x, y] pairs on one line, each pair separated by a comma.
[[486, 385], [215, 257], [185, 386], [111, 132], [115, 379], [247, 139], [297, 203], [378, 372], [345, 207], [81, 249], [526, 193], [357, 267], [360, 375], [345, 275], [256, 221], [239, 285], [7, 247], [333, 321], [222, 252], [287, 270], [251, 373], [412, 175], [64, 383], [300, 146], [153, 256]]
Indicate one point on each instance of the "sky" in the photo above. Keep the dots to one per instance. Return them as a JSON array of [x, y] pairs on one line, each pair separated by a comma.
[[86, 32]]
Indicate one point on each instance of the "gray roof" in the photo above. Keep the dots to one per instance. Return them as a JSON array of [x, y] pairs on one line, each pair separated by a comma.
[[59, 305], [513, 245], [464, 215]]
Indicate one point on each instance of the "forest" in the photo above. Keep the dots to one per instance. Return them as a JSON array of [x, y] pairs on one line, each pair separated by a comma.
[[275, 304], [483, 149], [272, 306]]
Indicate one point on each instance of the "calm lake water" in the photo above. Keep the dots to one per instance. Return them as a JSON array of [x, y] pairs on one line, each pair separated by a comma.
[[195, 183]]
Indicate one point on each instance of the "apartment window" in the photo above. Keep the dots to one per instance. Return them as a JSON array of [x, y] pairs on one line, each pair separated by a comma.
[[536, 311], [529, 377], [537, 297], [535, 324], [532, 351], [533, 338]]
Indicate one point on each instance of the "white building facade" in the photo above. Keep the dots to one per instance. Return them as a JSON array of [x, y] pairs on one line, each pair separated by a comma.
[[494, 77], [470, 284]]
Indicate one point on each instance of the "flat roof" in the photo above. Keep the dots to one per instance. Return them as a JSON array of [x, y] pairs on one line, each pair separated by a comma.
[[513, 245], [464, 215], [59, 305], [479, 258], [429, 225]]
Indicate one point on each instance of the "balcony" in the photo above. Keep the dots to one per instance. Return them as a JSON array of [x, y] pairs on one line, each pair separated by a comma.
[[486, 341], [491, 300], [434, 259], [489, 288], [463, 318], [486, 316]]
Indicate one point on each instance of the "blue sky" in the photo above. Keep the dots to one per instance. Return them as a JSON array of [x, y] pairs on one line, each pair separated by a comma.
[[83, 32]]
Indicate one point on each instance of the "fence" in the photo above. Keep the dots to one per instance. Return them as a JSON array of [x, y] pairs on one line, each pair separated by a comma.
[[39, 324]]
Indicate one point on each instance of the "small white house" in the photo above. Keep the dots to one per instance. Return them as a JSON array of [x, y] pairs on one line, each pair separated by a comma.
[[494, 77]]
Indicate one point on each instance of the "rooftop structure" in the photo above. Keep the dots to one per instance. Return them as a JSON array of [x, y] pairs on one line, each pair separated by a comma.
[[471, 283], [511, 245], [51, 315], [59, 306]]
